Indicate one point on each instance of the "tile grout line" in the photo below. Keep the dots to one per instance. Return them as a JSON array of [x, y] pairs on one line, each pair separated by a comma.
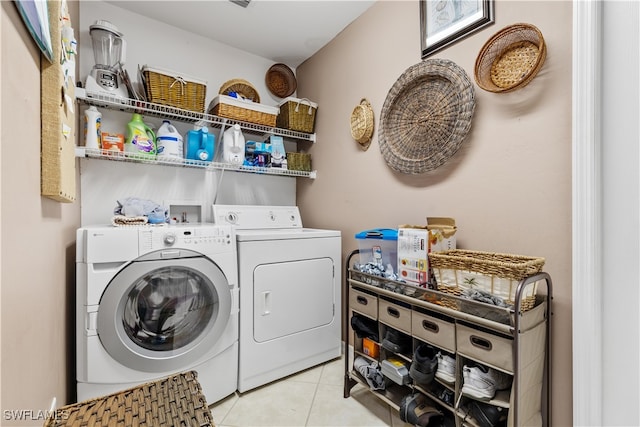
[[315, 393]]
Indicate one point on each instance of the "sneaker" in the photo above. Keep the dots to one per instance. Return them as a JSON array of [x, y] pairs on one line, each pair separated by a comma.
[[371, 373], [423, 366], [482, 382], [487, 415], [446, 368], [416, 409], [365, 327], [396, 342]]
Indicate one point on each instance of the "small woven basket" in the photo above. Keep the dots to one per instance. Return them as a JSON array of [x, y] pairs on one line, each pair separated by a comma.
[[244, 114], [362, 123], [458, 270], [299, 162], [280, 80], [297, 114], [510, 59], [242, 87], [174, 90], [173, 401]]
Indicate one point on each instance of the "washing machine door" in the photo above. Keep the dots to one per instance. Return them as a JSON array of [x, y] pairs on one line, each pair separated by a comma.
[[164, 310]]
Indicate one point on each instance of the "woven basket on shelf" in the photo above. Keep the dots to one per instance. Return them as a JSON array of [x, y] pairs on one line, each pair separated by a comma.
[[426, 116], [297, 114], [299, 162], [458, 270], [241, 87], [173, 89], [280, 80], [173, 401], [510, 59], [362, 123]]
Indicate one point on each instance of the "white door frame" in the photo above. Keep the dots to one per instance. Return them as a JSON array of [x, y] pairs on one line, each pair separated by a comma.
[[587, 215]]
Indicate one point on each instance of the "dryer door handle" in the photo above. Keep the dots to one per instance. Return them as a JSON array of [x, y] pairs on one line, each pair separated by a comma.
[[266, 303]]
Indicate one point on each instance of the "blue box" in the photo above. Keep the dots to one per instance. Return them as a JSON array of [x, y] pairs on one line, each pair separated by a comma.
[[379, 245]]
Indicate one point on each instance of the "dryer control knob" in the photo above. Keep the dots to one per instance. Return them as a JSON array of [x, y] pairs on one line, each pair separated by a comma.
[[169, 239]]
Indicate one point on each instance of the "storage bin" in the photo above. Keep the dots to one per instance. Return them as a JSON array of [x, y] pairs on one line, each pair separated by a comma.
[[364, 303], [243, 110], [485, 347], [379, 245], [433, 330], [394, 315], [174, 89], [297, 114], [458, 270], [299, 161]]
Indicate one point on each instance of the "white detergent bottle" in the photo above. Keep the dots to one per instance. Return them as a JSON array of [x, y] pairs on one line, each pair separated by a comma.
[[169, 142], [233, 140], [92, 123]]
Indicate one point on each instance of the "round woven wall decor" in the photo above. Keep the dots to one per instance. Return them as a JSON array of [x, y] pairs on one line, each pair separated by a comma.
[[426, 116], [362, 123], [280, 80]]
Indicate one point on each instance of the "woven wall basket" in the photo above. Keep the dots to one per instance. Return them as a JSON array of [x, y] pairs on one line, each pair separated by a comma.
[[280, 80], [362, 123], [510, 59], [426, 116]]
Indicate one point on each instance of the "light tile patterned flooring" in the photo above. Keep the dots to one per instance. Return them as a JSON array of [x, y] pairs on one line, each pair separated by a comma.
[[310, 398]]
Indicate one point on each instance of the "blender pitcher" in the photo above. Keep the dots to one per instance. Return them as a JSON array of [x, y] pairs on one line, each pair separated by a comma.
[[109, 50]]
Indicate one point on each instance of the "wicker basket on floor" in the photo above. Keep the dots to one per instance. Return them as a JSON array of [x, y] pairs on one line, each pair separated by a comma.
[[173, 401]]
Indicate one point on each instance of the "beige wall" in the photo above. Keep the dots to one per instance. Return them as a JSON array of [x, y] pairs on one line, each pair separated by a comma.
[[509, 186], [38, 241]]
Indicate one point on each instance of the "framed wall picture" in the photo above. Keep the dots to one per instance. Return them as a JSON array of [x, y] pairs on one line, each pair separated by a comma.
[[443, 22]]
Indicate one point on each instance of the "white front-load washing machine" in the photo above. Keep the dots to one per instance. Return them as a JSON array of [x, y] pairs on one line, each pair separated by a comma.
[[290, 292], [153, 301]]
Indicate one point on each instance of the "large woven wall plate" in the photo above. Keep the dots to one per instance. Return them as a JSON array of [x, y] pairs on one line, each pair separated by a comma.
[[426, 116]]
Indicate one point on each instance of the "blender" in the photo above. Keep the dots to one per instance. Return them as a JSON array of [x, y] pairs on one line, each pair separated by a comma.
[[108, 51]]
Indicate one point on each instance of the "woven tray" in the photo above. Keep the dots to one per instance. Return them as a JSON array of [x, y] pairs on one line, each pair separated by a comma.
[[458, 270], [174, 89], [173, 401], [297, 114], [510, 59]]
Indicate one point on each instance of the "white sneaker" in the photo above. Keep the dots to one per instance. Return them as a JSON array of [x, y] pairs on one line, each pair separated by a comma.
[[482, 382], [446, 368]]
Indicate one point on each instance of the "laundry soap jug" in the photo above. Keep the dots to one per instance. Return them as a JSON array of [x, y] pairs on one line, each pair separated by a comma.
[[140, 139], [169, 143], [199, 145], [233, 141], [92, 122]]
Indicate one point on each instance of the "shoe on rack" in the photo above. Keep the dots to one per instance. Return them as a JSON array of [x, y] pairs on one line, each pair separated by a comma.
[[395, 341], [416, 409], [482, 382], [365, 327], [371, 373], [446, 368], [424, 364], [487, 415]]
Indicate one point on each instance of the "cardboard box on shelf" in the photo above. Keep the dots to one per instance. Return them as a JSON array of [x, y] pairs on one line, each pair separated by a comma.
[[442, 233], [413, 258]]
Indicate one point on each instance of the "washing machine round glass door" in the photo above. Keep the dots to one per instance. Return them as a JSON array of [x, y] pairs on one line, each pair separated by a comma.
[[164, 310]]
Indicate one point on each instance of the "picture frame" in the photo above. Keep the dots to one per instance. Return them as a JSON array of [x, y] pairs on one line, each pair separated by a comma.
[[444, 22]]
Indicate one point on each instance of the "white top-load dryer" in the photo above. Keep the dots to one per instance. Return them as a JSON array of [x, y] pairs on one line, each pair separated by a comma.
[[290, 292]]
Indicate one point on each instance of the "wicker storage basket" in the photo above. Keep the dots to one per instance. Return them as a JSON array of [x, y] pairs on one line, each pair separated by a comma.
[[174, 89], [173, 401], [510, 59], [299, 162], [297, 114], [458, 270], [241, 87], [244, 111]]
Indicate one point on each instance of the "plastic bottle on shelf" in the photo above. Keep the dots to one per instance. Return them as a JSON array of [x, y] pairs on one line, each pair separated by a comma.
[[92, 123], [140, 138], [169, 144]]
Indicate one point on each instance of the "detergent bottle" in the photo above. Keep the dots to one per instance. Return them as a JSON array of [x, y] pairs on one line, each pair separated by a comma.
[[169, 143], [92, 121], [234, 145], [140, 139], [199, 144]]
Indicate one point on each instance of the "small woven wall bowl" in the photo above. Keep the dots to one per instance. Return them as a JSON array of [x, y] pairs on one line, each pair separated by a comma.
[[426, 116], [241, 87], [362, 123], [510, 59], [280, 80]]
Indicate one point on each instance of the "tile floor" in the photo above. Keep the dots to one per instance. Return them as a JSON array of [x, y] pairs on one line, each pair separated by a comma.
[[309, 398]]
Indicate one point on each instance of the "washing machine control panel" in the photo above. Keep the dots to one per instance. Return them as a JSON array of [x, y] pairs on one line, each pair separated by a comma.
[[197, 238], [257, 217]]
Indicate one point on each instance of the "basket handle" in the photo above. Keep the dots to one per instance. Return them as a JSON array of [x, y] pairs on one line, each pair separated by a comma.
[[298, 105], [182, 83]]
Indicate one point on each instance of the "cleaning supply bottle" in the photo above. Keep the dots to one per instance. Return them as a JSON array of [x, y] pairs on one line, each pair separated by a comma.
[[234, 145], [140, 139], [199, 145], [92, 123], [169, 143]]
